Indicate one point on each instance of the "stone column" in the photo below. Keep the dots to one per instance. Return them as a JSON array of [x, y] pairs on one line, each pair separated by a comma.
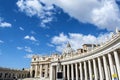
[[51, 73], [81, 71], [31, 71], [54, 72], [64, 71], [90, 70], [72, 72], [106, 68], [76, 71], [46, 72], [100, 69], [40, 70], [111, 65], [117, 61], [95, 70], [36, 70], [3, 75], [68, 72], [85, 71]]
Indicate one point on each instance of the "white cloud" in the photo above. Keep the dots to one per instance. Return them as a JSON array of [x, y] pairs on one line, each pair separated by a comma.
[[60, 39], [1, 41], [35, 8], [77, 40], [28, 49], [50, 45], [45, 21], [102, 13], [107, 16], [4, 24], [19, 48], [31, 7], [21, 28], [28, 56], [32, 38]]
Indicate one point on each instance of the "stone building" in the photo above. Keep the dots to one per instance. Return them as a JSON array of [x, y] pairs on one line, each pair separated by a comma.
[[40, 66], [10, 74], [92, 62]]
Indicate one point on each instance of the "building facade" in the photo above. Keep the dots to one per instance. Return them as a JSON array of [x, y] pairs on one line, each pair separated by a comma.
[[11, 74], [92, 62]]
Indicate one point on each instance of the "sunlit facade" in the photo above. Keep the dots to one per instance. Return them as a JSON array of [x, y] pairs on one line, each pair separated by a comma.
[[92, 62]]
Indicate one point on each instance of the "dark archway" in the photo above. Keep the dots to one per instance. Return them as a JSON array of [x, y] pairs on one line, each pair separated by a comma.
[[33, 73], [43, 74], [6, 74], [28, 75], [0, 75]]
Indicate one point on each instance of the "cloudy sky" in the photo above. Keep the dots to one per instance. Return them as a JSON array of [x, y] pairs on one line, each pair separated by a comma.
[[43, 27]]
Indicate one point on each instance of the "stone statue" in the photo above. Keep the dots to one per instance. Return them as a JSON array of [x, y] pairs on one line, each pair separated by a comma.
[[59, 65]]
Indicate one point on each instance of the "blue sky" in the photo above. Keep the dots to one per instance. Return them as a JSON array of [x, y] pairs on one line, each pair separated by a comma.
[[43, 27]]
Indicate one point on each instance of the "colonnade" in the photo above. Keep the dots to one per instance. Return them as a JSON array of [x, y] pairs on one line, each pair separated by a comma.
[[105, 67], [11, 75]]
